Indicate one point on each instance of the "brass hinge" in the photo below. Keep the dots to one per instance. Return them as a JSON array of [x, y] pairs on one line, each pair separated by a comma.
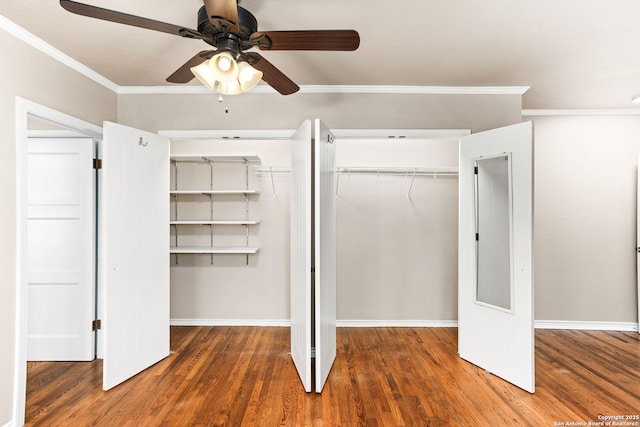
[[96, 325], [97, 164]]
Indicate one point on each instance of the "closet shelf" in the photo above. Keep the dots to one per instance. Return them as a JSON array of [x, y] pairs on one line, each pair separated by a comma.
[[216, 222], [213, 192], [213, 249], [216, 158], [240, 197]]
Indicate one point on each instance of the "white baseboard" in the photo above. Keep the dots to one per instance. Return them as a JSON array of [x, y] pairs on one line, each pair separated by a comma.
[[339, 323], [358, 323], [397, 323], [229, 322], [10, 424], [587, 326]]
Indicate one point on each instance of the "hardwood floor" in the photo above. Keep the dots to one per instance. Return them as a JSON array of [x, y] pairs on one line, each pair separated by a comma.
[[232, 376]]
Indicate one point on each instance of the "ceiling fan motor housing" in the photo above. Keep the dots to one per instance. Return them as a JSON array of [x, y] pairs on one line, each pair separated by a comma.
[[221, 38]]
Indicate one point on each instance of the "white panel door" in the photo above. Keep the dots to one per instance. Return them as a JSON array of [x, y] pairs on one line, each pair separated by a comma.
[[325, 252], [60, 249], [301, 245], [495, 295], [134, 251]]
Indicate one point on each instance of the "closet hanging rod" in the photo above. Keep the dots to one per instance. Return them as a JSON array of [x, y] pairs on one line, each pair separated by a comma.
[[272, 169], [443, 171]]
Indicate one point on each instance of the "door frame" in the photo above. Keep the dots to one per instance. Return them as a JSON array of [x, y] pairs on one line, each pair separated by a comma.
[[24, 110]]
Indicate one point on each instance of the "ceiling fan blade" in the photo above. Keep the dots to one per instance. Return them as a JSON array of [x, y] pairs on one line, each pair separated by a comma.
[[184, 74], [308, 40], [271, 75], [223, 13], [125, 18]]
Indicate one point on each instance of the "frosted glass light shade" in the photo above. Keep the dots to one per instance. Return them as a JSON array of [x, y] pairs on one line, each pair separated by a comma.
[[223, 67], [248, 76], [203, 73], [230, 88]]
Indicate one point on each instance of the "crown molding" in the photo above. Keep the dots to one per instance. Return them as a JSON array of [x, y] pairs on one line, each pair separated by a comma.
[[327, 89], [22, 34], [580, 112], [36, 42], [44, 47]]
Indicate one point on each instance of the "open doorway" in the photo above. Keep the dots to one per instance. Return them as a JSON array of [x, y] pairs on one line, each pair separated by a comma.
[[28, 112]]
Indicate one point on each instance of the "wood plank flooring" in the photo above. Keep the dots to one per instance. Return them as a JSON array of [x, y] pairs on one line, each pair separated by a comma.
[[243, 376]]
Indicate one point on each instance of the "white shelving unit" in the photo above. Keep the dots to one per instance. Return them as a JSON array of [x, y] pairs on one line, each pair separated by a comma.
[[242, 191]]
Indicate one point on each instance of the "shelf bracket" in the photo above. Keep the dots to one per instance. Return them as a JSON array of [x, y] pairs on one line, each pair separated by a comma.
[[413, 177], [273, 185]]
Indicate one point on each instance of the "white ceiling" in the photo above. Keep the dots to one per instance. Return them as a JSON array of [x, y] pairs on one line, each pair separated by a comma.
[[572, 53]]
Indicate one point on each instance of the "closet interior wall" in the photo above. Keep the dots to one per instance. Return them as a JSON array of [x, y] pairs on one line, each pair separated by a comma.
[[397, 232], [397, 235], [232, 288]]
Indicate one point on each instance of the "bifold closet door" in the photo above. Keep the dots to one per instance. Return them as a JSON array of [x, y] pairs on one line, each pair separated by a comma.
[[301, 251], [134, 251], [325, 252], [313, 253], [495, 277]]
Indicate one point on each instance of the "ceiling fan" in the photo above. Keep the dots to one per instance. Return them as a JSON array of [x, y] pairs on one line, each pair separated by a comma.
[[232, 31]]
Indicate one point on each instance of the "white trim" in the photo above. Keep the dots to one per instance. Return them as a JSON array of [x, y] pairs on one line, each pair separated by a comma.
[[44, 47], [54, 133], [10, 424], [379, 89], [400, 134], [229, 322], [397, 323], [25, 109], [269, 134], [581, 112], [228, 134], [360, 323], [586, 325], [339, 323], [425, 90]]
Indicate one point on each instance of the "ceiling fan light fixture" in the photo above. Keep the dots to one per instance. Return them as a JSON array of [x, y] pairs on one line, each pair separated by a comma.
[[203, 73], [230, 88], [223, 67], [248, 77]]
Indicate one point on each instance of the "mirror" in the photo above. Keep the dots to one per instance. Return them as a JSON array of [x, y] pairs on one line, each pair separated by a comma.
[[493, 207]]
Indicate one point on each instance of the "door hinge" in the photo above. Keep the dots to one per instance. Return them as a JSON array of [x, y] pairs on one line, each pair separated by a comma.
[[96, 325], [477, 237], [97, 164], [475, 170], [313, 269]]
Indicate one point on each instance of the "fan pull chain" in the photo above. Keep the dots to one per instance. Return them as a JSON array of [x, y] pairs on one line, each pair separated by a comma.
[[226, 108]]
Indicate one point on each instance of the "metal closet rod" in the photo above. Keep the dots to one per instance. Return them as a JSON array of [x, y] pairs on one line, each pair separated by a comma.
[[397, 171], [446, 170]]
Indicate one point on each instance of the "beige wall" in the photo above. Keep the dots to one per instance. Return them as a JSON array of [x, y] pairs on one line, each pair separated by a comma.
[[585, 218], [397, 249], [397, 256], [232, 287], [338, 111], [34, 76]]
